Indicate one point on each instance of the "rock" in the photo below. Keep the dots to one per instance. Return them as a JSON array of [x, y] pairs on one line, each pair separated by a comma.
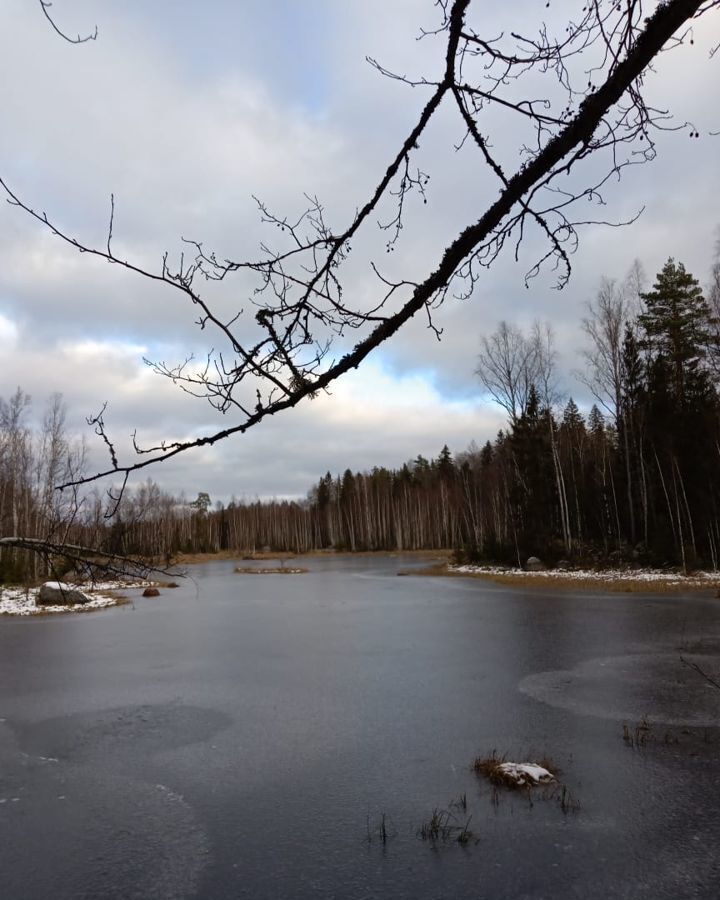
[[151, 592], [172, 584], [563, 564], [55, 593], [534, 564]]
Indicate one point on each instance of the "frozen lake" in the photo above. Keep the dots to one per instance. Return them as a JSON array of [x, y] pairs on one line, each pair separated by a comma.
[[235, 737]]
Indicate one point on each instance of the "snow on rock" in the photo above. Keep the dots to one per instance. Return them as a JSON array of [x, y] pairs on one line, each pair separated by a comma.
[[525, 773], [55, 593], [17, 601]]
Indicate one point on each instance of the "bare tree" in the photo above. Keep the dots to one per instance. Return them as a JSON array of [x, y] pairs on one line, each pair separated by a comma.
[[34, 517], [507, 368], [543, 342], [604, 325], [285, 351], [713, 298], [614, 307], [15, 463]]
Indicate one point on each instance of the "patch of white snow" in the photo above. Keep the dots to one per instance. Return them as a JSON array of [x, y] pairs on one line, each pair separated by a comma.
[[526, 773], [18, 601], [609, 575]]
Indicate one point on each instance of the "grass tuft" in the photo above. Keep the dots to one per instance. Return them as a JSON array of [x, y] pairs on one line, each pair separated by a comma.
[[381, 830], [638, 736], [493, 768], [443, 826]]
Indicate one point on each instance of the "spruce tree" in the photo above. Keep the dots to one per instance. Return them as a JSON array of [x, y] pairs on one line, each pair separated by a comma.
[[677, 329], [444, 463], [572, 421]]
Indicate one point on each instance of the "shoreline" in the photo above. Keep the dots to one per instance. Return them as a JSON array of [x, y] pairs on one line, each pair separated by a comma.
[[14, 599], [640, 581], [191, 559], [21, 601], [628, 581]]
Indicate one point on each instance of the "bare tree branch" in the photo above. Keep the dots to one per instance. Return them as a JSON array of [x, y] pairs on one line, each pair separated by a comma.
[[45, 7], [88, 560]]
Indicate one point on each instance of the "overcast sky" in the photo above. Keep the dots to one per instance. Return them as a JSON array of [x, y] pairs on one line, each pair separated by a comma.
[[184, 110]]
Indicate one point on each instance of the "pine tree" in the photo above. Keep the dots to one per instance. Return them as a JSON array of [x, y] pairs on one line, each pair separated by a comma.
[[677, 329]]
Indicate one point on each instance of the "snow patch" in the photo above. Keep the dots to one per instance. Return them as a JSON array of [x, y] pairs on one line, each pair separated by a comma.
[[525, 773], [17, 601], [712, 579]]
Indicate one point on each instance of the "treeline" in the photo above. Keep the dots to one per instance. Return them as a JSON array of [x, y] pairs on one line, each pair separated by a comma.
[[416, 507], [32, 463], [638, 478]]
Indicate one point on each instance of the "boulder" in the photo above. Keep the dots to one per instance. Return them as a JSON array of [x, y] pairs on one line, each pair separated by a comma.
[[55, 593], [534, 564], [151, 592], [563, 564]]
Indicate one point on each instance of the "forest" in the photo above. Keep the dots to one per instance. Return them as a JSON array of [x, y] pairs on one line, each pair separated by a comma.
[[635, 480]]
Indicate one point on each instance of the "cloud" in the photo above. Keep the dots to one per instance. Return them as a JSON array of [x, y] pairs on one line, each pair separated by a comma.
[[283, 103], [371, 418]]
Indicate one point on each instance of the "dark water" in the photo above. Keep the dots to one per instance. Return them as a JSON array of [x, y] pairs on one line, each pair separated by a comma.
[[240, 741]]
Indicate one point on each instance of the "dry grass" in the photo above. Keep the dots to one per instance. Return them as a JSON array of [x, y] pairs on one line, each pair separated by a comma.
[[438, 568], [623, 585], [638, 736], [188, 559], [490, 768], [383, 829], [443, 826], [386, 554]]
